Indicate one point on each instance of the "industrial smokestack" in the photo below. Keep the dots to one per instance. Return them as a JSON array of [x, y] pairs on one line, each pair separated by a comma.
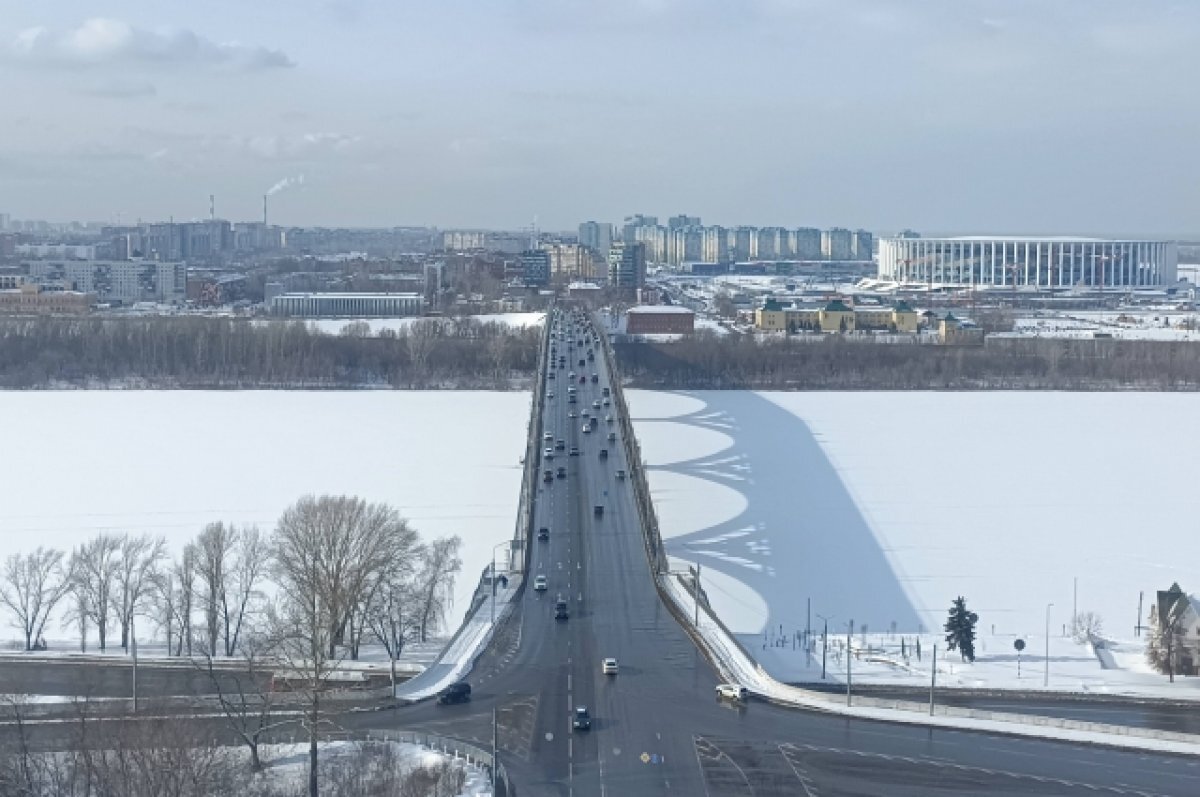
[[212, 207], [264, 210]]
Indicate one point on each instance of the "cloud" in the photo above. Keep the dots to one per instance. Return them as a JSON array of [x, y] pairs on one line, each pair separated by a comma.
[[299, 147], [102, 41], [119, 90]]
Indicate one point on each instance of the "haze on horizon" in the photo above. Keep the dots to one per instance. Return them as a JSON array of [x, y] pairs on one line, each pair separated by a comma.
[[1039, 116]]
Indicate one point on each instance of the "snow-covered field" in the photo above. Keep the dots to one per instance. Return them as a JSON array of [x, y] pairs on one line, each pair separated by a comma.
[[334, 326], [76, 463], [883, 507], [1153, 324]]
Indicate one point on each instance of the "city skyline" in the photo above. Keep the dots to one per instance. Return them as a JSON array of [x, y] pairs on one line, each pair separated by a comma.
[[982, 116]]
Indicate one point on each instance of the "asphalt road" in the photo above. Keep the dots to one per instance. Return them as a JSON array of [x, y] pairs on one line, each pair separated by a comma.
[[657, 727]]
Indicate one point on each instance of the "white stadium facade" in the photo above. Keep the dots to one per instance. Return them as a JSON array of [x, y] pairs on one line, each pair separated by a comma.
[[1048, 262]]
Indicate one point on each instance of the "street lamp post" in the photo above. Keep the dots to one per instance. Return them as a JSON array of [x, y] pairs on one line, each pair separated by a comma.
[[494, 547], [824, 644], [1046, 674]]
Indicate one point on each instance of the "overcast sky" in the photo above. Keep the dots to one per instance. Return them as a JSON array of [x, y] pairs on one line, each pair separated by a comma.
[[1068, 116]]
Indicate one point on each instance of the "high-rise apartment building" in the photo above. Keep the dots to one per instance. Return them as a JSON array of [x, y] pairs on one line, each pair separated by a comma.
[[681, 221], [123, 281], [837, 244], [745, 244], [596, 236], [863, 245], [632, 223], [627, 265], [716, 245], [807, 243]]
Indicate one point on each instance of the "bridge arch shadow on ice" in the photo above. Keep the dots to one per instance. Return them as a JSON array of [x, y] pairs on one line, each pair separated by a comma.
[[801, 534]]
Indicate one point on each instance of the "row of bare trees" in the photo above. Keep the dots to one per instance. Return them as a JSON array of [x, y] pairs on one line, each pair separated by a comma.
[[361, 566], [706, 361], [197, 352]]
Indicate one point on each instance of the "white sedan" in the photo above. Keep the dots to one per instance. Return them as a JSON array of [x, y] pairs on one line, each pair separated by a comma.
[[609, 666]]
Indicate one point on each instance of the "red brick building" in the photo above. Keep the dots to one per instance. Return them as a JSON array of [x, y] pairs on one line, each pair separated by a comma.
[[659, 320]]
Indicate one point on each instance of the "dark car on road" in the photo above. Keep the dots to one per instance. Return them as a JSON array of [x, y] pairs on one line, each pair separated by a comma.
[[543, 533], [560, 609], [582, 721], [457, 692]]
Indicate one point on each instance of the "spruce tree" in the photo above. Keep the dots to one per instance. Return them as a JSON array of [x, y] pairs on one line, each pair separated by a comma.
[[960, 629]]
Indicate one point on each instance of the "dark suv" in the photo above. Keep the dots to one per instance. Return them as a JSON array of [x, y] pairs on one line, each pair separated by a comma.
[[457, 692], [560, 610]]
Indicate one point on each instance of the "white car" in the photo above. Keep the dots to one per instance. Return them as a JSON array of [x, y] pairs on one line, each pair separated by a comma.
[[732, 692], [548, 453], [587, 429], [609, 666], [539, 583]]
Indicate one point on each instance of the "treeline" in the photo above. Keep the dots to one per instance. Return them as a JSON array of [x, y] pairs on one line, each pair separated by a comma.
[[205, 352], [836, 363]]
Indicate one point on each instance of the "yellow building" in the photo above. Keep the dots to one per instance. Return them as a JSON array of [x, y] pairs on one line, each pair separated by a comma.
[[952, 332], [835, 316]]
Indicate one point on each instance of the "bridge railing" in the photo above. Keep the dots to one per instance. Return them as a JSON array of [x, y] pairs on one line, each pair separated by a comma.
[[523, 532]]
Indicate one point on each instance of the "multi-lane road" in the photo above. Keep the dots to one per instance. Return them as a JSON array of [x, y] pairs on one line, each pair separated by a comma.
[[657, 726]]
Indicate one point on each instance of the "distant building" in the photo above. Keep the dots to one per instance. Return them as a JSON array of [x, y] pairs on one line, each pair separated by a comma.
[[1046, 262], [535, 267], [862, 244], [835, 316], [837, 244], [32, 299], [120, 281], [681, 221], [659, 320], [348, 305], [807, 243], [627, 266], [953, 332], [597, 236]]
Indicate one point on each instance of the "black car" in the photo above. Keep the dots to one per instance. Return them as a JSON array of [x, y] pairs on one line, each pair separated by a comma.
[[562, 472], [560, 610], [543, 533], [582, 721], [457, 692]]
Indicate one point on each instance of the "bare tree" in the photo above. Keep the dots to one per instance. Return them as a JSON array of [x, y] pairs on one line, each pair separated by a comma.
[[135, 576], [93, 575], [78, 613], [327, 553], [250, 567], [435, 581], [246, 694], [214, 549], [184, 576], [1086, 626], [391, 617], [33, 584]]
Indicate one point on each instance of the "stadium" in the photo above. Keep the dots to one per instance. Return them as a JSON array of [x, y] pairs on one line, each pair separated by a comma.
[[1014, 262]]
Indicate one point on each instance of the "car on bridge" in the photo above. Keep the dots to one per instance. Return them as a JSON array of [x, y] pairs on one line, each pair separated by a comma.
[[543, 533], [595, 379], [560, 609], [612, 436], [582, 721], [621, 475], [548, 453], [539, 584], [604, 453], [560, 445], [547, 476], [457, 692], [587, 428], [598, 510], [609, 666], [574, 451], [562, 472], [732, 692]]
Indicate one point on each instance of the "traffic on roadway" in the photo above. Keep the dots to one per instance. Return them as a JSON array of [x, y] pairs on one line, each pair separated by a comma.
[[593, 688]]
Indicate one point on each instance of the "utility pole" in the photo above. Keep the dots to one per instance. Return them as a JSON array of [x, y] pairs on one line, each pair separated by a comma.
[[495, 751], [849, 658], [1137, 629], [133, 648], [824, 648], [1046, 674], [932, 679]]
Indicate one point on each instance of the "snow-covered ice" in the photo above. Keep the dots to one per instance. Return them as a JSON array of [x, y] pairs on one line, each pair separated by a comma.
[[76, 463], [883, 507]]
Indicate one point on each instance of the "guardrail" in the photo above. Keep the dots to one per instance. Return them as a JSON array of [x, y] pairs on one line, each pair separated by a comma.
[[523, 532], [652, 537], [472, 754]]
